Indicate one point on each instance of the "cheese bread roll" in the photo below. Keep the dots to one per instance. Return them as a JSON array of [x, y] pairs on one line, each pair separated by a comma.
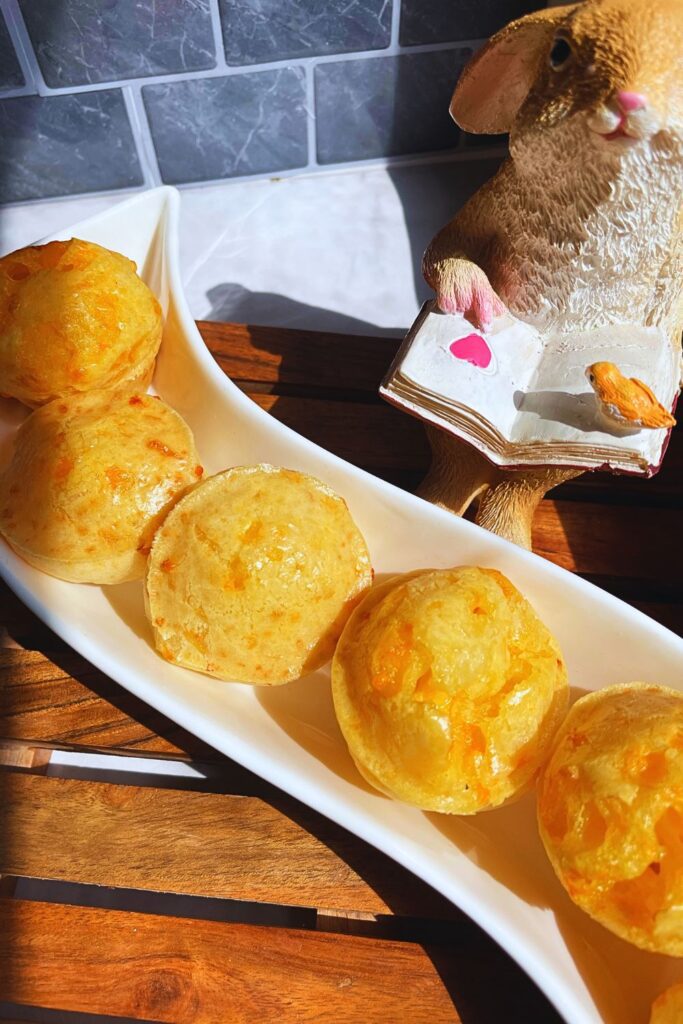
[[610, 812], [668, 1008], [253, 575], [448, 689], [91, 478], [73, 317]]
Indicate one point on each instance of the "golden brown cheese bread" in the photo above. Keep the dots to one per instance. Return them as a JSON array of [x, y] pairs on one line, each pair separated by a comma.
[[90, 479], [74, 316], [610, 812], [448, 689], [253, 575], [668, 1008]]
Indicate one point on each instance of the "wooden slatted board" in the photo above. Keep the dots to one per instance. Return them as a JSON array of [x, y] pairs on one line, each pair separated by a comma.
[[215, 897]]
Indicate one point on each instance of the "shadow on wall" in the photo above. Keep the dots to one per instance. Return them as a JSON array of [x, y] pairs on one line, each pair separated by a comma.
[[430, 194], [237, 304], [429, 197], [432, 198]]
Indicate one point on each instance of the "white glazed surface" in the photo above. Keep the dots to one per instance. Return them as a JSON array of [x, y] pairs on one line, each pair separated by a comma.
[[492, 865]]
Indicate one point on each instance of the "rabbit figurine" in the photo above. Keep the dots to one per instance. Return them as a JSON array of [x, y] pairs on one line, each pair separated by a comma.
[[581, 227]]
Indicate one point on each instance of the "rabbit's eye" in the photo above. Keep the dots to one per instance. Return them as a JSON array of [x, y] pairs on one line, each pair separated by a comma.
[[561, 54]]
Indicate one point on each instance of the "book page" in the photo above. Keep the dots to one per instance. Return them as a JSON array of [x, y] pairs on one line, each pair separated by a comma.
[[480, 370], [559, 405]]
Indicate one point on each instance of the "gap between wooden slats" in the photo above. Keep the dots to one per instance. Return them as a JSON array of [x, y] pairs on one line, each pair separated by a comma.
[[39, 1014]]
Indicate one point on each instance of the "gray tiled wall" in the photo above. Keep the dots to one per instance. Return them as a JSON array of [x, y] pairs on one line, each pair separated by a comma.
[[436, 21], [211, 128], [255, 31], [100, 95], [80, 42], [52, 145], [386, 107]]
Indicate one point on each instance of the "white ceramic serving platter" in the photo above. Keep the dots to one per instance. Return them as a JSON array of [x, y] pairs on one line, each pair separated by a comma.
[[492, 866]]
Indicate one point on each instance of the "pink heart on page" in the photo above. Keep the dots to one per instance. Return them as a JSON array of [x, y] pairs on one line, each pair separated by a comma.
[[472, 349]]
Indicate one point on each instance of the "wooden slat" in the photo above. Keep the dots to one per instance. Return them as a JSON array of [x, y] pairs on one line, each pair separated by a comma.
[[610, 540], [203, 972], [69, 702], [307, 359], [670, 615], [665, 488], [21, 756], [48, 693], [203, 844], [370, 435], [332, 870]]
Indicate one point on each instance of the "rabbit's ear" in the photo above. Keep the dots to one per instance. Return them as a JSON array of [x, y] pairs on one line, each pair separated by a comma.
[[495, 83]]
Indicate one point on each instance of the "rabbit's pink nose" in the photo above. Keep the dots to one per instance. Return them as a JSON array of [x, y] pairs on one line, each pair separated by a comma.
[[629, 101]]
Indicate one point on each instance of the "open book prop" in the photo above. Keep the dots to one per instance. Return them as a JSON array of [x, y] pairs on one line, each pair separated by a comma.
[[523, 399]]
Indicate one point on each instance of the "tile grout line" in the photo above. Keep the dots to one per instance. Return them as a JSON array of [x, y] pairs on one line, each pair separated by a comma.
[[142, 136], [230, 71], [217, 27], [395, 24], [311, 118]]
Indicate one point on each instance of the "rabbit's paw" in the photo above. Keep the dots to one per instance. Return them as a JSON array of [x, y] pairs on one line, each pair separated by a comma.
[[463, 287]]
